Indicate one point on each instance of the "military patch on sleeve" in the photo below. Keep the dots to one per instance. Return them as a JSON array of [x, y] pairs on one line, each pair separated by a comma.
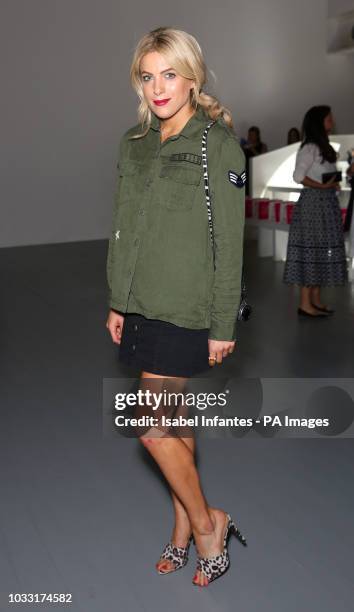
[[237, 179]]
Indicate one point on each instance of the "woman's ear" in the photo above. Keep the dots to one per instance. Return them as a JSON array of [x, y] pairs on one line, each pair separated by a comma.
[[193, 94]]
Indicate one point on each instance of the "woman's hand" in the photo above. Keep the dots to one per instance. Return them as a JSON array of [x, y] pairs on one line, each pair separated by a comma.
[[331, 184], [115, 323], [309, 182], [219, 349]]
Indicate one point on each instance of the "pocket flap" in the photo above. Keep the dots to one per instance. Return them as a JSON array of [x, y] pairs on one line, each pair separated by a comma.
[[189, 176]]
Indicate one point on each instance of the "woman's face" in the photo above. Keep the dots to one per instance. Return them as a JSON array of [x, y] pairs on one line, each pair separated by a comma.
[[161, 82], [253, 137], [328, 123], [293, 136]]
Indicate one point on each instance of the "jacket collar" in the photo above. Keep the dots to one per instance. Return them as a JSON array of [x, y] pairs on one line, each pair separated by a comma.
[[191, 127]]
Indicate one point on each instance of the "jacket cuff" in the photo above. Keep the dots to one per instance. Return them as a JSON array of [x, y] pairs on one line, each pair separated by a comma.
[[223, 330], [113, 305]]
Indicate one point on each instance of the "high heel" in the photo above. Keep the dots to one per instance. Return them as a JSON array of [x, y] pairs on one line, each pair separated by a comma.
[[177, 554], [214, 567]]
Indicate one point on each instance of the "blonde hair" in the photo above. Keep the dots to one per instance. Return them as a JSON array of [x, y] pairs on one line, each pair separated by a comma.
[[184, 54]]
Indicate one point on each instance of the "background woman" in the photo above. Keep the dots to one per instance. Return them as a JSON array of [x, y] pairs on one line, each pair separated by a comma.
[[169, 310], [316, 253], [350, 175], [293, 136], [252, 147]]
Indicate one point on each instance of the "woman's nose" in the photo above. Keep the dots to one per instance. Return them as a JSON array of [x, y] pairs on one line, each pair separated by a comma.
[[158, 87]]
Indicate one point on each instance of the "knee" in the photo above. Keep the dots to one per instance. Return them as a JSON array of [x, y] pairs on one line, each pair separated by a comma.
[[149, 441], [144, 440]]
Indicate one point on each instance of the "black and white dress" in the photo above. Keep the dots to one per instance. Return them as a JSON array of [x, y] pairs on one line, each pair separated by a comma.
[[316, 252]]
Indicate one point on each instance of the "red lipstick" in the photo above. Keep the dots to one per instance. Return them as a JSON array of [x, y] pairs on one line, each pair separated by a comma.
[[161, 102]]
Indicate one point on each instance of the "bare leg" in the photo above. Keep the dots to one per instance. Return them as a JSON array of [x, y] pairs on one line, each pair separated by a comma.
[[182, 527], [316, 297], [176, 462], [305, 300]]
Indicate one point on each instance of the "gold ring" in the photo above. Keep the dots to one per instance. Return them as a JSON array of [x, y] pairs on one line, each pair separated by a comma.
[[212, 358]]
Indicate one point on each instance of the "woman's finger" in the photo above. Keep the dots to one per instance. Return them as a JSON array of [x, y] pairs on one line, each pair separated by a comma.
[[114, 335], [115, 332], [219, 356], [119, 331], [212, 359]]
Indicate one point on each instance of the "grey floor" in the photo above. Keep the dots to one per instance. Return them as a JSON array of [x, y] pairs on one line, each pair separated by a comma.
[[88, 514]]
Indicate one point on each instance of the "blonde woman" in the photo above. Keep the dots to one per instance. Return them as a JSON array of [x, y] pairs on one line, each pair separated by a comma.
[[172, 314]]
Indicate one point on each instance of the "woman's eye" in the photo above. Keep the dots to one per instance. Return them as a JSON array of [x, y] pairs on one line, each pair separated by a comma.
[[169, 75]]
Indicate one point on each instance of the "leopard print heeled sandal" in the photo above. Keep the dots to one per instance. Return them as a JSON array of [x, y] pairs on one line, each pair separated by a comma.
[[178, 555], [215, 566]]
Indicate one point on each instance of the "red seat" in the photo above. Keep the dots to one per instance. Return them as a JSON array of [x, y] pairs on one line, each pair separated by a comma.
[[261, 206], [289, 208]]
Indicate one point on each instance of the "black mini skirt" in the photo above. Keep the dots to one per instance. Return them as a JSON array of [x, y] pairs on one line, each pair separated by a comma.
[[160, 347]]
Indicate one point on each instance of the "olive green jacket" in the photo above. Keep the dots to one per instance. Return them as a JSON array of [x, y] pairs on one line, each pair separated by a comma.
[[160, 258]]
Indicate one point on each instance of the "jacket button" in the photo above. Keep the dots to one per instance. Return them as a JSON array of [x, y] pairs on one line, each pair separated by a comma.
[[141, 211], [136, 241], [133, 347], [135, 327]]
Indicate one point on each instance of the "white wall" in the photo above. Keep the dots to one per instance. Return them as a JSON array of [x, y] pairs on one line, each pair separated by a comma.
[[337, 7], [66, 97]]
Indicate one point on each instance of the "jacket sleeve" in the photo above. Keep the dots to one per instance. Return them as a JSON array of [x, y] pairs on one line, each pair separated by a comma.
[[227, 186], [110, 252]]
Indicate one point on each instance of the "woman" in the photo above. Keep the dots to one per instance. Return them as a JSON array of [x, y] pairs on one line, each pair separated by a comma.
[[171, 313], [253, 147], [293, 136], [349, 224], [350, 179], [316, 253]]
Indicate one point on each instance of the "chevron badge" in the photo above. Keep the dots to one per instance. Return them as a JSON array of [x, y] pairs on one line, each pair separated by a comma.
[[237, 179]]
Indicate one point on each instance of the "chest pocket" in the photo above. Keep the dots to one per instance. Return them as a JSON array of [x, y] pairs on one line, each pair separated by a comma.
[[130, 181], [178, 186]]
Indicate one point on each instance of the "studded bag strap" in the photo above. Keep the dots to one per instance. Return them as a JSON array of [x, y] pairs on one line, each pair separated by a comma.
[[206, 181]]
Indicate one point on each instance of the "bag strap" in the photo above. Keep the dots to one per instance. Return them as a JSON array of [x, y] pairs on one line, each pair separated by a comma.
[[206, 179]]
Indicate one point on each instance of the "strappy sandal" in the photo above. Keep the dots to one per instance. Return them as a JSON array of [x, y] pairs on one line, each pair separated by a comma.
[[214, 567], [177, 554]]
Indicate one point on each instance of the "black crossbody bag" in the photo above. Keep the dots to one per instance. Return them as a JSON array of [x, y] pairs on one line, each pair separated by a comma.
[[244, 309]]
